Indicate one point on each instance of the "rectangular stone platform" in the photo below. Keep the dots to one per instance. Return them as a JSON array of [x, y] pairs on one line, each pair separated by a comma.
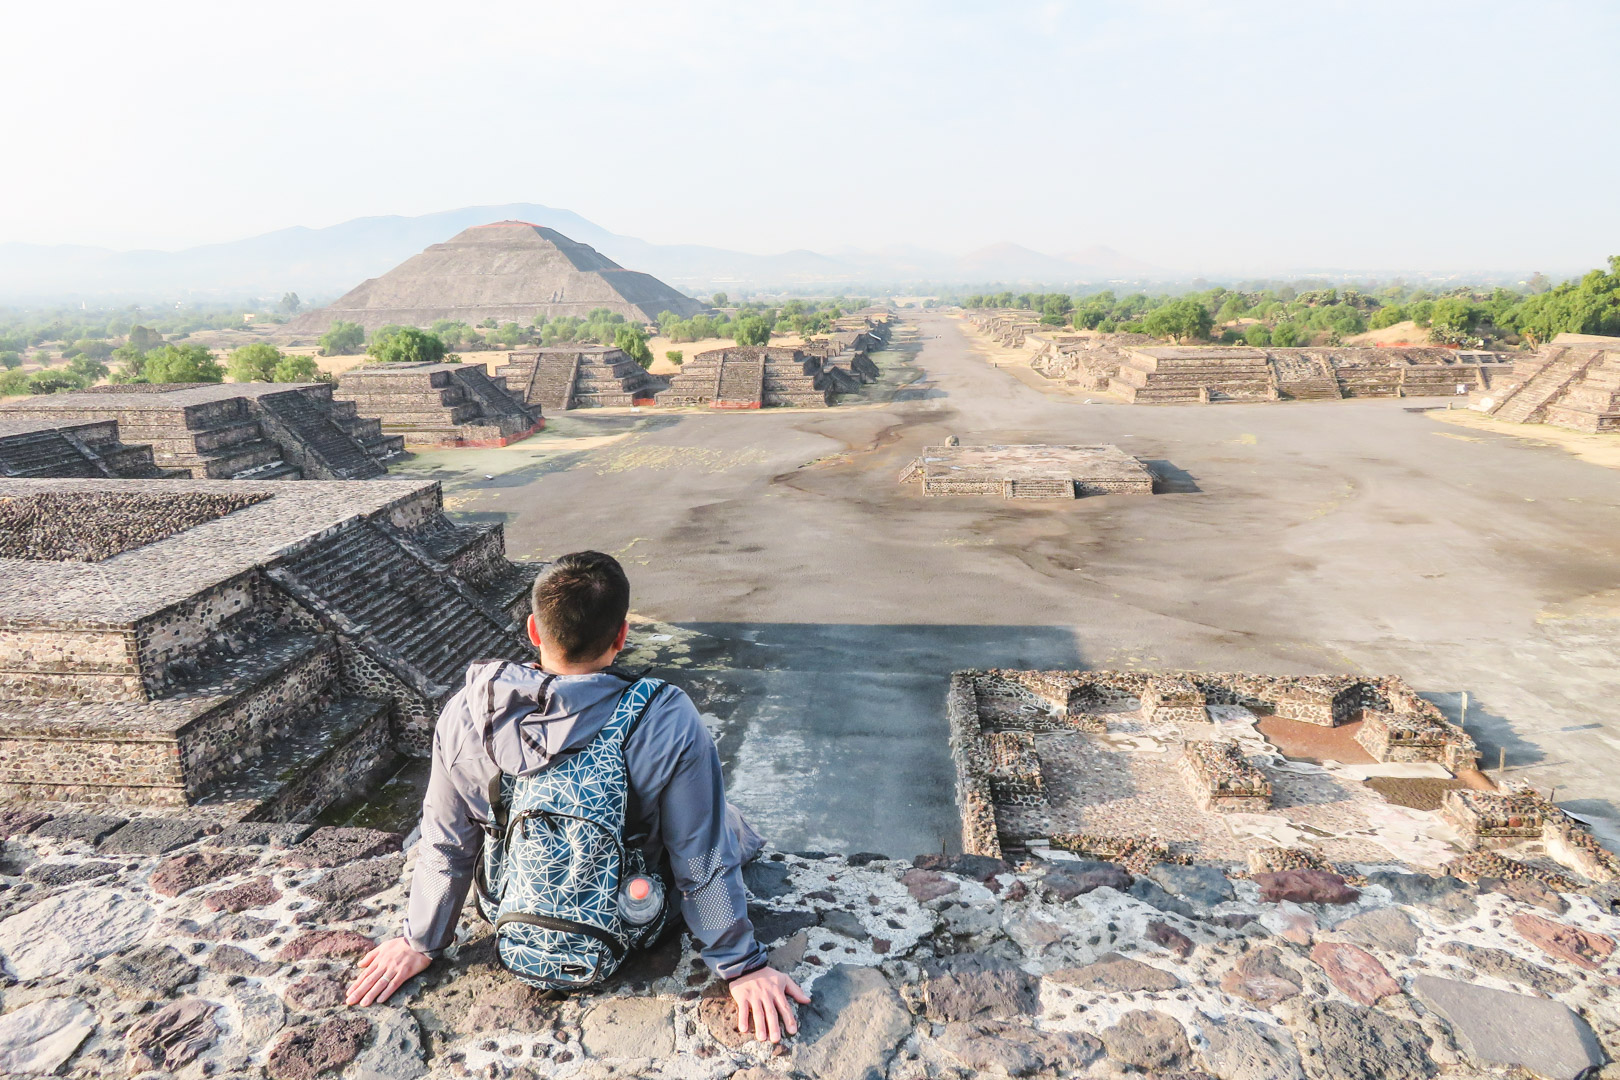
[[440, 405], [222, 431], [253, 647], [578, 377], [1029, 472], [50, 446]]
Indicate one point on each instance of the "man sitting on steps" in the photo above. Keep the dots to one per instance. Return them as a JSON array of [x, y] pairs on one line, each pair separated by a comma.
[[514, 720]]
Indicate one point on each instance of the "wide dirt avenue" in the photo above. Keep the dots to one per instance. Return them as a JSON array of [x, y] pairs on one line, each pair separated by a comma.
[[815, 607]]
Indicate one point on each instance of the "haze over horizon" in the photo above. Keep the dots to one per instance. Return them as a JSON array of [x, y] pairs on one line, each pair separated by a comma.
[[1220, 139]]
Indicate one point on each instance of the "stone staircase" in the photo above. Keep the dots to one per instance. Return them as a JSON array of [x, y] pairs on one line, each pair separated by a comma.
[[1593, 403], [741, 385], [313, 438], [1553, 372], [580, 377], [800, 380], [434, 405], [422, 625], [1168, 376], [45, 453]]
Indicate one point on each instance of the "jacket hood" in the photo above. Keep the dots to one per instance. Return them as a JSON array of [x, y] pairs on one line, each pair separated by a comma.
[[527, 717]]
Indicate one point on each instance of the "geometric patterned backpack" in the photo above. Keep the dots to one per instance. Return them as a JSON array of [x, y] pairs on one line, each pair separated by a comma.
[[555, 855]]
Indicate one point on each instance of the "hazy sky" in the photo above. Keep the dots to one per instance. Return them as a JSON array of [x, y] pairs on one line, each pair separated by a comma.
[[1200, 136]]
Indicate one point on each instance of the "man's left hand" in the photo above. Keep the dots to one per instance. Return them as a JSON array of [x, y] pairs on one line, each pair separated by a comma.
[[762, 1003]]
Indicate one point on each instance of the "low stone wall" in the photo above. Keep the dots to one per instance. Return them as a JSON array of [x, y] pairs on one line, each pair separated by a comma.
[[1223, 781], [164, 948]]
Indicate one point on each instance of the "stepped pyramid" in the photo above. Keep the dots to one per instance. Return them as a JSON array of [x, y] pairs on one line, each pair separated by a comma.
[[241, 650], [509, 271]]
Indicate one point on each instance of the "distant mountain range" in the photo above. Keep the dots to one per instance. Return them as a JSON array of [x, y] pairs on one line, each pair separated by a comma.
[[321, 263]]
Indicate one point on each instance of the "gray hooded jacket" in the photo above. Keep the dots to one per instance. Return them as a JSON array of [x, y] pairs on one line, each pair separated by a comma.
[[677, 799]]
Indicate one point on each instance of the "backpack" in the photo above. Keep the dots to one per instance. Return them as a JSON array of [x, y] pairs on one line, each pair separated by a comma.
[[555, 854]]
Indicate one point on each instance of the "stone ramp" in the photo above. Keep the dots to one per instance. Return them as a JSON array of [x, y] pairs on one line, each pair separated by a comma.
[[313, 440]]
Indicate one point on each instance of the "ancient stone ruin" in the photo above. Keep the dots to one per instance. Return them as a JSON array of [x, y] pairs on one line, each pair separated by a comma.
[[578, 377], [222, 431], [1028, 472], [1573, 383], [757, 376], [1165, 375], [45, 446], [251, 650], [509, 271], [435, 405]]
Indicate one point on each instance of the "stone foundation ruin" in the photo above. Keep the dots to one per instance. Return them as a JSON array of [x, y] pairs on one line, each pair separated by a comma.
[[1572, 383], [224, 431], [251, 650], [46, 446], [436, 405], [578, 377], [757, 376], [1164, 375], [1028, 472]]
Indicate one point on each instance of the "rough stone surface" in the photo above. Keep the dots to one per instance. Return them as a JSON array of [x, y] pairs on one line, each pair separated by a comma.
[[1148, 1040], [1350, 1042], [766, 880], [926, 885], [511, 1006], [1582, 948], [1200, 884], [977, 867], [1305, 887], [1073, 879], [395, 1052], [89, 829], [1018, 1050], [230, 960], [38, 1038], [1382, 928], [1168, 937], [261, 834], [629, 1028], [1504, 965], [172, 1037], [54, 874], [1150, 893], [151, 971], [1115, 974], [316, 944], [70, 931], [1527, 890], [340, 846], [308, 1051], [256, 893], [972, 986], [185, 872], [1447, 895], [1355, 971], [324, 990], [155, 836], [1241, 1049], [1495, 1027], [851, 1027], [1261, 976], [358, 880], [771, 925], [20, 822]]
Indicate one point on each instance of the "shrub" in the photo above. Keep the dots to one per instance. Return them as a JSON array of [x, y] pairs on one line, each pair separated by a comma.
[[676, 357], [182, 364], [295, 369]]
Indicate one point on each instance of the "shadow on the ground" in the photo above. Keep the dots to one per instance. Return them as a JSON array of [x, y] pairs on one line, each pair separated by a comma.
[[1168, 479]]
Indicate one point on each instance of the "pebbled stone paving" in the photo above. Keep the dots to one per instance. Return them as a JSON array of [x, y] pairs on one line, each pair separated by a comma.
[[993, 973]]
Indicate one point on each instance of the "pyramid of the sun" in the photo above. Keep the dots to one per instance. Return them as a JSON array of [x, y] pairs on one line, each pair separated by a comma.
[[510, 271]]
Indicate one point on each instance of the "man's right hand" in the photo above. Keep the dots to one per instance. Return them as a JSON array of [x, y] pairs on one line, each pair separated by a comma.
[[386, 968], [762, 1000]]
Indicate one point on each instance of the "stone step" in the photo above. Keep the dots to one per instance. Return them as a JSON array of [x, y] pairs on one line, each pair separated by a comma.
[[44, 453], [313, 767]]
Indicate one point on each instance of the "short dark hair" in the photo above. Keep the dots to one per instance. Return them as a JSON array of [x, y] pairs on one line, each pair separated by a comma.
[[581, 602]]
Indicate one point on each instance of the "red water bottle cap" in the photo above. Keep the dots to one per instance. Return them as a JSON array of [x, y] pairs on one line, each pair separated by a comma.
[[639, 888]]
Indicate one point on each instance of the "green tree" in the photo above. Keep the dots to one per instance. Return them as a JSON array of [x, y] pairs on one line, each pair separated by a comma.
[[144, 339], [182, 364], [254, 363], [343, 339], [511, 335], [49, 382], [1258, 335], [720, 299], [295, 368], [1388, 316], [751, 330], [10, 359], [290, 303], [1285, 335], [1180, 320], [87, 369], [676, 357], [13, 383], [633, 340], [406, 344]]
